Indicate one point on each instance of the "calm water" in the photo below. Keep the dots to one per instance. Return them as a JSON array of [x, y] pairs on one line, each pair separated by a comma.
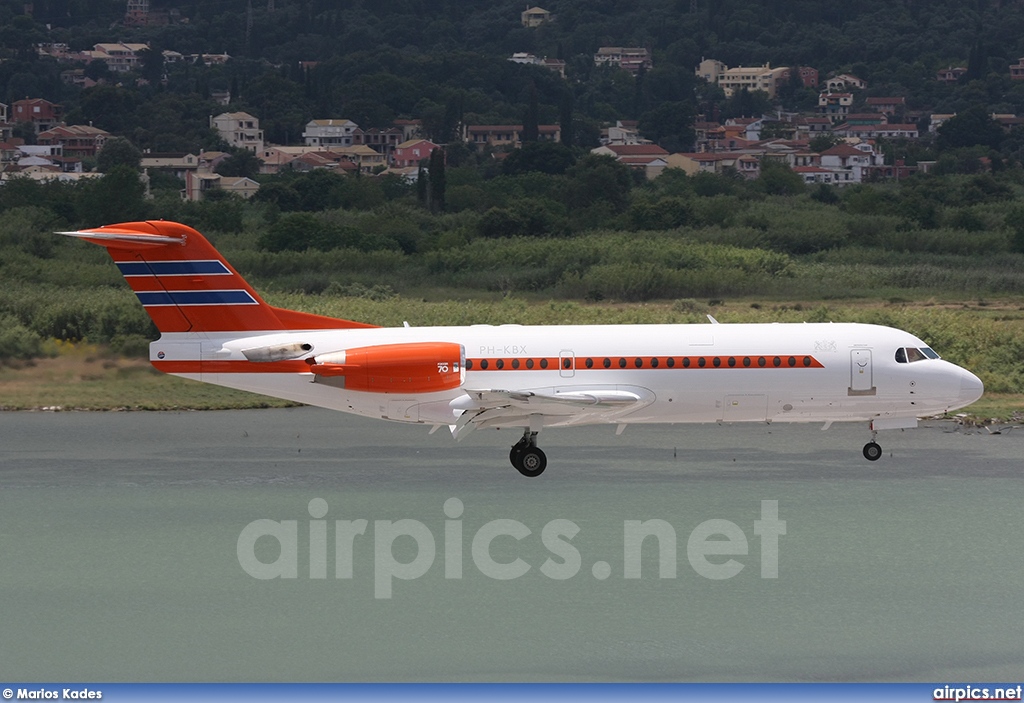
[[119, 534]]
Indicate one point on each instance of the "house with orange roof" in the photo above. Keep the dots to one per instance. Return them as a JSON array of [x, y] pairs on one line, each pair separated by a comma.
[[648, 158], [747, 165], [411, 153], [78, 140], [41, 113]]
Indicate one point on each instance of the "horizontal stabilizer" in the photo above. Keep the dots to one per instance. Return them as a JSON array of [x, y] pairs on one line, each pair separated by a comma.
[[125, 239]]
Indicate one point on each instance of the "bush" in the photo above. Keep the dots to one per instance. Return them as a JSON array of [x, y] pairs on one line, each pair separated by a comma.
[[29, 229], [17, 341]]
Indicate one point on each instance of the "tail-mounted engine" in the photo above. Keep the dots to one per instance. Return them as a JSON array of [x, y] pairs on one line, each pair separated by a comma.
[[418, 367]]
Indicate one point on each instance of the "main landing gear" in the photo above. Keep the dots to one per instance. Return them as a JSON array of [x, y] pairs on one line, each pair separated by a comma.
[[871, 450], [527, 457]]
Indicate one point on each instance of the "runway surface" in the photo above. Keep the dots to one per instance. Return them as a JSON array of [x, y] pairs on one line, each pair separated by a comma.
[[120, 540]]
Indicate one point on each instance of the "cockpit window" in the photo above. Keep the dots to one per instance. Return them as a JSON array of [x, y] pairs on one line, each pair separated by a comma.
[[908, 355]]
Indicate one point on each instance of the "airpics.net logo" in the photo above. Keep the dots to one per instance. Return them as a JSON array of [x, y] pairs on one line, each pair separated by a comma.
[[712, 547]]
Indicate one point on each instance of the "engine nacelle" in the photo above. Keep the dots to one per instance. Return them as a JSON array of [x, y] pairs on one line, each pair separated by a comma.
[[417, 367]]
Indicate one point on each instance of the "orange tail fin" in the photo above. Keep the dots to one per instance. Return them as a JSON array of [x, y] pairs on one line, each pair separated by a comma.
[[187, 286]]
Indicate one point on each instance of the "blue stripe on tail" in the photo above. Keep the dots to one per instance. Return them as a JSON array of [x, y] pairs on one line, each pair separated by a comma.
[[173, 268], [197, 297]]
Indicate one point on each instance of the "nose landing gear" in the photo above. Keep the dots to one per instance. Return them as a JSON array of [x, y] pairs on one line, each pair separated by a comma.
[[527, 457]]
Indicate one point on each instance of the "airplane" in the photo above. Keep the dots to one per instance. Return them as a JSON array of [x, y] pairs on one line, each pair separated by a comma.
[[216, 329]]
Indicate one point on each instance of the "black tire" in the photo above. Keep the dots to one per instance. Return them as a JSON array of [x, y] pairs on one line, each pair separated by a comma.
[[532, 462], [514, 455], [872, 451]]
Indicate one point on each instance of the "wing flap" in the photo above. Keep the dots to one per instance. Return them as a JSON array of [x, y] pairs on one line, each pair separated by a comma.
[[490, 398], [479, 408]]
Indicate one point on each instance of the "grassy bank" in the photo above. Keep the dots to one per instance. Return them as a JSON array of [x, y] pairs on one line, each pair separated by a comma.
[[88, 377]]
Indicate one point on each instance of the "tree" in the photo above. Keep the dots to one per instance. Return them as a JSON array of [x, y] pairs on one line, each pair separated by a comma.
[[670, 124], [972, 127], [599, 179], [437, 180], [152, 64], [823, 142], [109, 107], [280, 194], [421, 184], [25, 131], [242, 162], [98, 71], [977, 63], [116, 197], [1015, 221], [790, 88], [297, 232], [545, 157], [531, 120], [779, 179], [747, 103], [565, 120], [826, 194], [118, 151]]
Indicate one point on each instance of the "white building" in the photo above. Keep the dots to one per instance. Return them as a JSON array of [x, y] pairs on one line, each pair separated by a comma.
[[731, 80], [239, 129], [850, 164], [330, 133], [631, 58], [119, 57]]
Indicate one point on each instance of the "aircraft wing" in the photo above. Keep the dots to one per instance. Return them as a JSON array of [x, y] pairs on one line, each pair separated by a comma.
[[571, 405]]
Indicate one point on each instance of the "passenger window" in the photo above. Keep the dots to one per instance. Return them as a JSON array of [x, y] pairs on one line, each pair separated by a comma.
[[901, 356]]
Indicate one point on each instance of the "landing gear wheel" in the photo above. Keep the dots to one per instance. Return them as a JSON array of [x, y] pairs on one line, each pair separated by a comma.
[[872, 451], [515, 453], [532, 462]]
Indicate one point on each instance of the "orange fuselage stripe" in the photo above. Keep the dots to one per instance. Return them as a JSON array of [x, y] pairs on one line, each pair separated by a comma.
[[679, 363], [705, 361]]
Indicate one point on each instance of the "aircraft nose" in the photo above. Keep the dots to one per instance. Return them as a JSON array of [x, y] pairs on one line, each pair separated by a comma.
[[971, 387]]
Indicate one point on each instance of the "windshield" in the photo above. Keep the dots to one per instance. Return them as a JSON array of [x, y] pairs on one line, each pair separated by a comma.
[[908, 355]]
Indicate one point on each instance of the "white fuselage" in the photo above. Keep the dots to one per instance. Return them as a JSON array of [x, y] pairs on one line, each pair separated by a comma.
[[825, 372]]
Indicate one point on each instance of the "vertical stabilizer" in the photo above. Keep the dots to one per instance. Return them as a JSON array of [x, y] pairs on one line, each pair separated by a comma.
[[187, 286]]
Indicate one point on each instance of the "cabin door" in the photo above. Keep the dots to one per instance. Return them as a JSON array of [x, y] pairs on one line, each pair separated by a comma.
[[862, 380]]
